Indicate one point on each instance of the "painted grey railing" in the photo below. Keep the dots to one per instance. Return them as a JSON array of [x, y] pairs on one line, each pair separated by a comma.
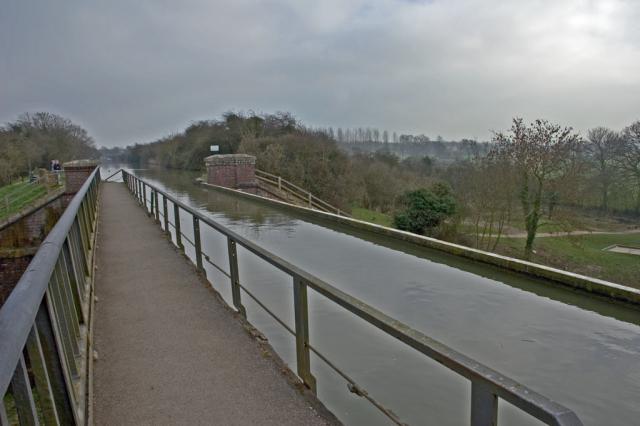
[[487, 385], [295, 191], [45, 323]]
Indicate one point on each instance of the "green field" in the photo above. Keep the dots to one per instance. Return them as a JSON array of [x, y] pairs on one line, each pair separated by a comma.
[[17, 196], [367, 215], [584, 255]]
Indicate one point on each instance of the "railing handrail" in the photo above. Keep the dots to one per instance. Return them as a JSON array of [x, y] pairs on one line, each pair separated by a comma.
[[299, 192], [19, 310], [51, 304], [487, 384]]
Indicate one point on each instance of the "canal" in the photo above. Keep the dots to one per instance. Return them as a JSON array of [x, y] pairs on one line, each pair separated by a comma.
[[578, 350]]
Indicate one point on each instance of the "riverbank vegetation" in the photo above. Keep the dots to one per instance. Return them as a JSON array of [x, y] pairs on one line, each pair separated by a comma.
[[535, 178]]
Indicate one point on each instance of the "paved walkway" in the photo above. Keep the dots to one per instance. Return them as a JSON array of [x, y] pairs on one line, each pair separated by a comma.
[[169, 351]]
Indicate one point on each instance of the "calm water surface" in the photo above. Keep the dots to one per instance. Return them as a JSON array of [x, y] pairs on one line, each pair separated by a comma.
[[577, 350]]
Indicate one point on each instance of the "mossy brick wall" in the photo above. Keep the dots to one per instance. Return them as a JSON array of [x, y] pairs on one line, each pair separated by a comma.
[[231, 171], [31, 229], [75, 176], [20, 240], [11, 269]]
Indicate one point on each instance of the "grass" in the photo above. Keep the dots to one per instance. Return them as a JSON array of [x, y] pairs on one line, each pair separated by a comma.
[[367, 215], [17, 196], [584, 255]]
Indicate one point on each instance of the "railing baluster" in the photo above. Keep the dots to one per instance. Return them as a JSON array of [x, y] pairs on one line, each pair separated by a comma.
[[60, 319], [484, 405], [176, 219], [155, 196], [4, 419], [41, 376], [69, 303], [56, 365], [75, 289], [197, 243], [21, 389], [144, 196], [301, 311], [166, 216], [235, 277], [151, 192]]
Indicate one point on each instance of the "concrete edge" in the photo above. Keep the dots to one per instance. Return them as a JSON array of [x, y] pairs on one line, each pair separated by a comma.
[[596, 286], [92, 300], [31, 209]]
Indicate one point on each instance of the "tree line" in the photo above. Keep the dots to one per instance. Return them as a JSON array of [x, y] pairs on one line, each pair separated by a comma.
[[33, 140], [533, 174]]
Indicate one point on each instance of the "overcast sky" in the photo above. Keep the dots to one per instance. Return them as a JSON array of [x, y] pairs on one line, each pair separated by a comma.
[[132, 71]]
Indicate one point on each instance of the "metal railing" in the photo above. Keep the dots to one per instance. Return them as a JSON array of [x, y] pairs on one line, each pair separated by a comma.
[[487, 385], [45, 323], [295, 191]]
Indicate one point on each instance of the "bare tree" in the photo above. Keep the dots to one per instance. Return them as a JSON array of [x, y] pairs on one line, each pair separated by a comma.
[[629, 157], [603, 148], [540, 155]]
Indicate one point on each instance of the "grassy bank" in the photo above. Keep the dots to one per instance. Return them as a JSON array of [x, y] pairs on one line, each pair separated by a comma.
[[17, 196], [584, 255], [371, 216]]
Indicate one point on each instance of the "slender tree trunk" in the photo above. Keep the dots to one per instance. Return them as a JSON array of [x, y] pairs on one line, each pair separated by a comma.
[[532, 220]]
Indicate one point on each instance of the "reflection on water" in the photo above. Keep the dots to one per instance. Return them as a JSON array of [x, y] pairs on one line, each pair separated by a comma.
[[581, 351]]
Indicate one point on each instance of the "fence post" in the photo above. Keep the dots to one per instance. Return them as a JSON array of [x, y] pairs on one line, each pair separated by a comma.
[[151, 202], [310, 206], [155, 196], [302, 333], [176, 219], [166, 216], [484, 405], [235, 277], [144, 195], [279, 183], [197, 244]]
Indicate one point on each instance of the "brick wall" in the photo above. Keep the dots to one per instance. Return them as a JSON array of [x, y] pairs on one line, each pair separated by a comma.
[[11, 269], [232, 170], [20, 240], [76, 173]]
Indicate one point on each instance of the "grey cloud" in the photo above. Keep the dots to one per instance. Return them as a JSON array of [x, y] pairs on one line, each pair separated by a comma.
[[134, 71]]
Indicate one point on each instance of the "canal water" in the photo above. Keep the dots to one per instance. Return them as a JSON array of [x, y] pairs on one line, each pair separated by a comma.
[[580, 351]]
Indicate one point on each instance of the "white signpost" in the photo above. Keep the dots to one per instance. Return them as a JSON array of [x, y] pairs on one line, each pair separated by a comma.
[[215, 148]]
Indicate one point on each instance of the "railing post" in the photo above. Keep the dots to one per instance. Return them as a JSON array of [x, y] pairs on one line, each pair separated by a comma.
[[176, 219], [235, 277], [279, 183], [166, 215], [484, 405], [144, 195], [151, 200], [23, 397], [197, 244], [302, 333], [155, 196], [310, 206]]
